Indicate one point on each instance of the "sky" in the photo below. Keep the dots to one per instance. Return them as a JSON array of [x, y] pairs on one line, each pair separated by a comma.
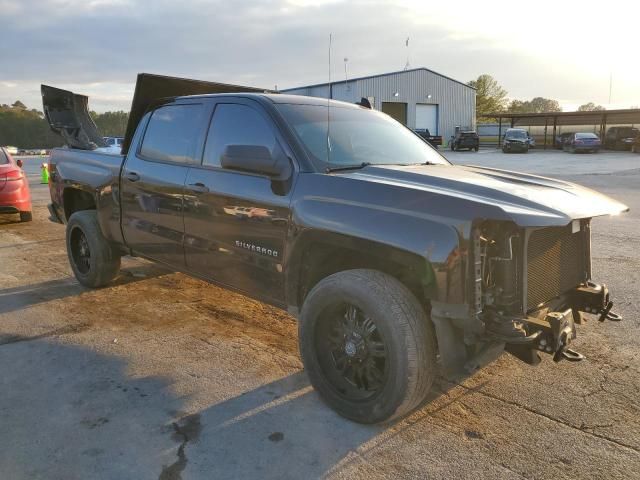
[[563, 49]]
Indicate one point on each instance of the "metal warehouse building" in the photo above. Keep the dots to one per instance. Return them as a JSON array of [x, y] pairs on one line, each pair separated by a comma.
[[419, 98]]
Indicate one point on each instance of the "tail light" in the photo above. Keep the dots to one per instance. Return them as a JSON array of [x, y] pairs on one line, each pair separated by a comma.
[[14, 175]]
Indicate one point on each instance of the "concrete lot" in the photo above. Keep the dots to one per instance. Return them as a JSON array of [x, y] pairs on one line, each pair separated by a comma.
[[165, 377]]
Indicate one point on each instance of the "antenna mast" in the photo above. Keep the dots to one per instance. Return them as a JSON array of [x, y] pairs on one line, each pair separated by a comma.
[[610, 85], [329, 95]]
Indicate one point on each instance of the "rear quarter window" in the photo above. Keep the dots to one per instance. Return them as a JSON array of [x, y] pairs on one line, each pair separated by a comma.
[[174, 134]]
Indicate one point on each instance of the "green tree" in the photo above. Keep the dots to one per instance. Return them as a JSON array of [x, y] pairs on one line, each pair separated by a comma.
[[535, 105], [591, 107], [26, 128], [490, 96], [111, 124]]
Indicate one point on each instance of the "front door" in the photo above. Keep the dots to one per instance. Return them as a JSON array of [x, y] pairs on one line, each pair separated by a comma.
[[235, 225], [153, 178]]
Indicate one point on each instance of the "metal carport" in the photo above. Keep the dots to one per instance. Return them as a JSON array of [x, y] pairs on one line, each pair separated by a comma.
[[602, 118]]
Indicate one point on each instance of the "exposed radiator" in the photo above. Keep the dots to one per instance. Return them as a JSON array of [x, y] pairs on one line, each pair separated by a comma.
[[556, 262]]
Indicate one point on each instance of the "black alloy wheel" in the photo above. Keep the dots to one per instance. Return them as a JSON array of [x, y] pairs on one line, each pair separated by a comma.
[[351, 352], [80, 250]]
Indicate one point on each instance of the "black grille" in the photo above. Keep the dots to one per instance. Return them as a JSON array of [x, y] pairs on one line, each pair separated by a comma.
[[556, 263]]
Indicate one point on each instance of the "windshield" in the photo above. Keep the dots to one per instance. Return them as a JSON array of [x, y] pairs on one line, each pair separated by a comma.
[[516, 134], [356, 136]]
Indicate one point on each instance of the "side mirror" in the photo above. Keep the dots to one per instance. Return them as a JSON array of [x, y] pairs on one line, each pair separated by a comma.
[[256, 159], [19, 162]]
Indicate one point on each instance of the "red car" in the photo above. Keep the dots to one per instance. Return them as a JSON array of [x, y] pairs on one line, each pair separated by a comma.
[[14, 188]]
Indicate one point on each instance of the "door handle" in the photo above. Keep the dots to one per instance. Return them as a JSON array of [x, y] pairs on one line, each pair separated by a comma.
[[132, 176], [198, 187]]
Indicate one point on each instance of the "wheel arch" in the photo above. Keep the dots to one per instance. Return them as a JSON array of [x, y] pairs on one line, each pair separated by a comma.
[[320, 254], [76, 199]]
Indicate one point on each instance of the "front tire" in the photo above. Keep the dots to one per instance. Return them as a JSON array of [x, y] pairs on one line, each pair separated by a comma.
[[95, 262], [367, 345]]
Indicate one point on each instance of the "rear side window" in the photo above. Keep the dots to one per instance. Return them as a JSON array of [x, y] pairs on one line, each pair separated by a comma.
[[174, 133], [235, 124], [4, 160]]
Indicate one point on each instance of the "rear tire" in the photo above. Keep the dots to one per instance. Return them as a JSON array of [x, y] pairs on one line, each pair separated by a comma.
[[367, 345], [476, 149], [26, 216], [95, 262]]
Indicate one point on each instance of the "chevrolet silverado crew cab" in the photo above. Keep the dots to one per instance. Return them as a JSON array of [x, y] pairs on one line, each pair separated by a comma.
[[396, 263]]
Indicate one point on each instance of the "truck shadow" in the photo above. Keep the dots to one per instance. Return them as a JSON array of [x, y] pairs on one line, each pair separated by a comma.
[[283, 430], [92, 420], [17, 298], [70, 412]]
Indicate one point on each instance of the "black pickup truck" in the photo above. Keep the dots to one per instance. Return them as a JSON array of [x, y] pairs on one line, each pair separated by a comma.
[[395, 262]]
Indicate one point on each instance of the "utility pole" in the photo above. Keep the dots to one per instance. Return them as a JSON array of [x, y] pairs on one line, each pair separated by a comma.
[[407, 65]]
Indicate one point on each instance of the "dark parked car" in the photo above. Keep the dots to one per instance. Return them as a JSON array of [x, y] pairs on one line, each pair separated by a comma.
[[465, 140], [434, 140], [560, 140], [582, 142], [621, 138], [515, 140], [396, 262]]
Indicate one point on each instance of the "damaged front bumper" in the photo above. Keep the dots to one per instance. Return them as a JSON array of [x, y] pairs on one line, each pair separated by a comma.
[[552, 329], [467, 342]]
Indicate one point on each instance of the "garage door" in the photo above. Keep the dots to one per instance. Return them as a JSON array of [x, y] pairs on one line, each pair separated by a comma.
[[427, 118], [396, 110]]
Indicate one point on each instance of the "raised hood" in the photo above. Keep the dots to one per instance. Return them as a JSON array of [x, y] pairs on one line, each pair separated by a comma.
[[528, 200]]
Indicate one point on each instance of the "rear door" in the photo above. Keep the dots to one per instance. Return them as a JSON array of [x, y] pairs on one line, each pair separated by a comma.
[[235, 224], [153, 178]]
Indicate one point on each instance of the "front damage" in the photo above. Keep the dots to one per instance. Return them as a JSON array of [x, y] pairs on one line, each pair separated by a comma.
[[526, 290]]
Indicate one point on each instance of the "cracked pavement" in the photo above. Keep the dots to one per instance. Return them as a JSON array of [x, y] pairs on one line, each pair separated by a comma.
[[161, 376]]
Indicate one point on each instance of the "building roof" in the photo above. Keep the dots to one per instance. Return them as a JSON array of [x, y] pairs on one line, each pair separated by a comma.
[[377, 76], [611, 117]]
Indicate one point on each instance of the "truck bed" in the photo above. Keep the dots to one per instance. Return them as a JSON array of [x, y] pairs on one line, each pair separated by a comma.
[[91, 177]]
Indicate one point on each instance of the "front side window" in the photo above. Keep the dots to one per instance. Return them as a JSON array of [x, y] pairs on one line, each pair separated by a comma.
[[344, 136], [174, 133], [235, 124]]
